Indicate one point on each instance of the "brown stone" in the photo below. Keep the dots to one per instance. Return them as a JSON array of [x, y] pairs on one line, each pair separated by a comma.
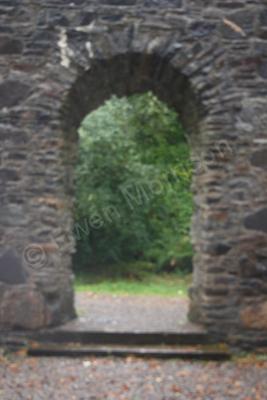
[[52, 202], [255, 316], [219, 216], [50, 247], [23, 308]]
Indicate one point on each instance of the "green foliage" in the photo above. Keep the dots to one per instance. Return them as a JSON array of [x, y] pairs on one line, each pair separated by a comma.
[[133, 198]]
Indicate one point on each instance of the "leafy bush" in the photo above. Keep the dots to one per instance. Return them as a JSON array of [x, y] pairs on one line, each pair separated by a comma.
[[133, 198]]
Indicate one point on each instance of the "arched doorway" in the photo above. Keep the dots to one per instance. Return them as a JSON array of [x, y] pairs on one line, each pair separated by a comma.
[[125, 75], [218, 91]]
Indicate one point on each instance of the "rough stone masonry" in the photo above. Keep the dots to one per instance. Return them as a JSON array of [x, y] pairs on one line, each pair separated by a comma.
[[59, 60]]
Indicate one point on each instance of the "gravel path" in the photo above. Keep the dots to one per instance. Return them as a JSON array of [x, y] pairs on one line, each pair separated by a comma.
[[23, 378], [131, 379], [131, 313]]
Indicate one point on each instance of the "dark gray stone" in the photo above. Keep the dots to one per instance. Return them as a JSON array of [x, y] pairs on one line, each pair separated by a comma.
[[263, 17], [11, 269], [257, 221], [263, 69], [202, 28], [9, 175], [124, 3], [12, 93], [87, 18], [167, 3], [220, 249], [10, 46], [259, 158]]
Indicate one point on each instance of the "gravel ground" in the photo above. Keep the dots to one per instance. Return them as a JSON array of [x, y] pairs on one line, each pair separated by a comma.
[[130, 379], [103, 312], [23, 378]]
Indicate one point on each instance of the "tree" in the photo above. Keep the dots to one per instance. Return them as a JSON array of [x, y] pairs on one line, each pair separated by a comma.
[[133, 183]]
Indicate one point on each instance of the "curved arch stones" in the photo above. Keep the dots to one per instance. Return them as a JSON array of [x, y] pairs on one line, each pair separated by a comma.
[[59, 60]]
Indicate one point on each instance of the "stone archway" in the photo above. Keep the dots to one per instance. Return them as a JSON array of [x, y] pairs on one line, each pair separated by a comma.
[[209, 64]]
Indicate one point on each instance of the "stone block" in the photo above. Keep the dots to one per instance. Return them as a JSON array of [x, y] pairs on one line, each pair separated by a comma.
[[12, 93], [259, 158], [219, 249], [257, 221], [262, 69], [23, 307], [118, 2], [9, 45], [11, 269], [255, 316], [252, 268]]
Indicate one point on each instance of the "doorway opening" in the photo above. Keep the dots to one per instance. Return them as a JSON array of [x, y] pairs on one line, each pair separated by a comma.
[[133, 201], [147, 183]]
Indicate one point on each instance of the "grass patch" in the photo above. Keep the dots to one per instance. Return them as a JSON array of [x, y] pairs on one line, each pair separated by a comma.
[[154, 284]]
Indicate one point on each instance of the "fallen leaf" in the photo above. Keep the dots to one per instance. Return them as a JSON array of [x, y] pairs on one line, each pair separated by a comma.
[[14, 368], [183, 372], [176, 389], [22, 352]]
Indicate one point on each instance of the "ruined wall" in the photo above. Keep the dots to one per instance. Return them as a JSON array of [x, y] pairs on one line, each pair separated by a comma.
[[61, 59]]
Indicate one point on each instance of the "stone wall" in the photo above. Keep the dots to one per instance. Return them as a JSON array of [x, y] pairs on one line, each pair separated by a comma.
[[61, 59]]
